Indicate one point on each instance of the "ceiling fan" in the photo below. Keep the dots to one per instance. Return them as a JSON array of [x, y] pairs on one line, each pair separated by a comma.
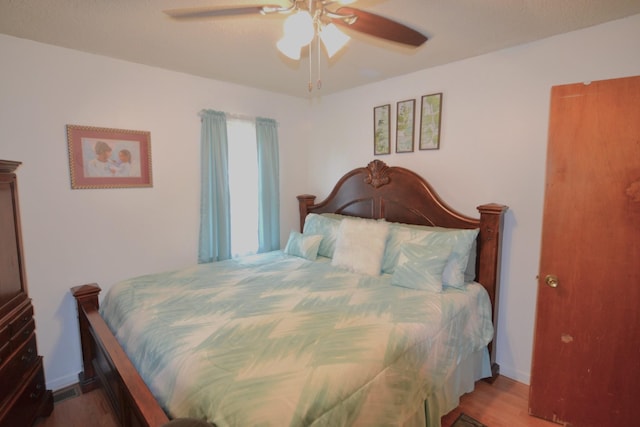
[[317, 20]]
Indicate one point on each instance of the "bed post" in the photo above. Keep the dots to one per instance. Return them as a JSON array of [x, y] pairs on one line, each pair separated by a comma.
[[490, 250], [304, 201], [107, 366], [87, 300]]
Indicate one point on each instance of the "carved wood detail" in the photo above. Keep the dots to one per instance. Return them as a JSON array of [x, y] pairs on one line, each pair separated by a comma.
[[378, 175]]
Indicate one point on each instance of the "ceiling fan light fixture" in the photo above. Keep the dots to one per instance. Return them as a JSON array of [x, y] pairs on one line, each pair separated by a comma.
[[333, 39], [299, 26], [311, 23], [289, 48]]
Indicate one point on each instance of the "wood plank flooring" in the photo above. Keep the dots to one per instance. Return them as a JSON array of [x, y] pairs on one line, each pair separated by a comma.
[[91, 409], [504, 403], [501, 404]]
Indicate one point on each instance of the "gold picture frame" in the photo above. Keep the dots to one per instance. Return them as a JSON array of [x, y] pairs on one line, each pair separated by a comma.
[[108, 158]]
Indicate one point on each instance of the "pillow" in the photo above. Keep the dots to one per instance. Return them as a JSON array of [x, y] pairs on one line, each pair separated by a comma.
[[464, 252], [360, 245], [470, 272], [398, 235], [325, 226], [303, 245], [337, 216], [454, 271], [420, 265]]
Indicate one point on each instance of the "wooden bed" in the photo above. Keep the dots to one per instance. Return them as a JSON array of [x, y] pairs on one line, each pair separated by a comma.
[[375, 191]]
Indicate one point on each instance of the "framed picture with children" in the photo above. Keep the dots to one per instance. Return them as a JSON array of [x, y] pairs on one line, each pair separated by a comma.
[[108, 158]]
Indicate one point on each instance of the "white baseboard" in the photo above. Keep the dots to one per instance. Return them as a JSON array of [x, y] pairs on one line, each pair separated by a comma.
[[514, 374], [60, 383]]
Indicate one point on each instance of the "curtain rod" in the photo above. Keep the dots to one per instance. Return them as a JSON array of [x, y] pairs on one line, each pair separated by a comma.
[[240, 116], [236, 116]]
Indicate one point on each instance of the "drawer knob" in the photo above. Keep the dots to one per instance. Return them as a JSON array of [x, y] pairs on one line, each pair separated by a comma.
[[28, 357], [36, 394]]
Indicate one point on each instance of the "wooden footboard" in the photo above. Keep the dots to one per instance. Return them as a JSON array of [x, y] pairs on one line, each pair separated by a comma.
[[106, 365]]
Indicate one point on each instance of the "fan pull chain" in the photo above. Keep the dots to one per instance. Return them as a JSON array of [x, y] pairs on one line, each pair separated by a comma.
[[310, 65], [319, 84]]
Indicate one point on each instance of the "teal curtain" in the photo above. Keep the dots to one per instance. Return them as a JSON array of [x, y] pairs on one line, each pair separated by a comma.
[[215, 216], [268, 185]]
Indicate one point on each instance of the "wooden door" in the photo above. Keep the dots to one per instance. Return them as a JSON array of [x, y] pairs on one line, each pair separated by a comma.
[[586, 357]]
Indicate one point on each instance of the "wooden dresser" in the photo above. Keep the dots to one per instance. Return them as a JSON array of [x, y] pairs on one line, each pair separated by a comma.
[[23, 394]]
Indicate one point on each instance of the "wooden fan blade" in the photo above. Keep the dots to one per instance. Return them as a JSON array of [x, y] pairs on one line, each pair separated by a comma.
[[208, 12], [379, 26]]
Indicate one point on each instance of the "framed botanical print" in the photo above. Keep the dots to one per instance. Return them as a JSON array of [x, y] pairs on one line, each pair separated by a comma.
[[405, 118], [430, 116], [381, 130]]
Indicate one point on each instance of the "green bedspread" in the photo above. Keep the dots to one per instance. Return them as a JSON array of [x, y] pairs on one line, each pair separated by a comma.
[[275, 340]]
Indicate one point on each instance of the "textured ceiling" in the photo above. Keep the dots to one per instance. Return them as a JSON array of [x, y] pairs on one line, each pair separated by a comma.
[[242, 49]]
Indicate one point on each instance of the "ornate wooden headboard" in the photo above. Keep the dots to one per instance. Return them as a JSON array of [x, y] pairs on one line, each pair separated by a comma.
[[400, 195]]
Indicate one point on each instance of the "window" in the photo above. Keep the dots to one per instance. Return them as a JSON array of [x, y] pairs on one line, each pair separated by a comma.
[[243, 186], [239, 186]]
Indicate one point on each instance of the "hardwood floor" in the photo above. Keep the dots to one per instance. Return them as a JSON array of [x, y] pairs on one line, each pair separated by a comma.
[[501, 404], [91, 409]]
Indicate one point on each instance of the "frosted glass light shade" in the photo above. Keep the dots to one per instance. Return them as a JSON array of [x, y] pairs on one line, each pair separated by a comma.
[[299, 26], [333, 39], [289, 47]]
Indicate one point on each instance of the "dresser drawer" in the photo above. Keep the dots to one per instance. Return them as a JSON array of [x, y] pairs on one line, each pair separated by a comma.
[[29, 401], [4, 335], [21, 320], [5, 351], [20, 362], [23, 334]]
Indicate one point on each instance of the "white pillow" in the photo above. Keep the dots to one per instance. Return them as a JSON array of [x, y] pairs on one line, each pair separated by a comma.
[[360, 245]]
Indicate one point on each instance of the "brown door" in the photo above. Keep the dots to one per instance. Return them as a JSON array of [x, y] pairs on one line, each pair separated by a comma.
[[586, 357]]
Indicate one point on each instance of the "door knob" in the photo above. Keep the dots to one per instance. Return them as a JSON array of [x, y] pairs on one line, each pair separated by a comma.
[[551, 280]]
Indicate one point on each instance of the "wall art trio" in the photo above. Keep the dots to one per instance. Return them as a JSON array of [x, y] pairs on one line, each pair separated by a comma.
[[429, 130]]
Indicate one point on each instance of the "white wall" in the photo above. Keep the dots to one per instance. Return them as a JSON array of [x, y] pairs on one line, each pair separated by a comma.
[[493, 146], [72, 237]]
